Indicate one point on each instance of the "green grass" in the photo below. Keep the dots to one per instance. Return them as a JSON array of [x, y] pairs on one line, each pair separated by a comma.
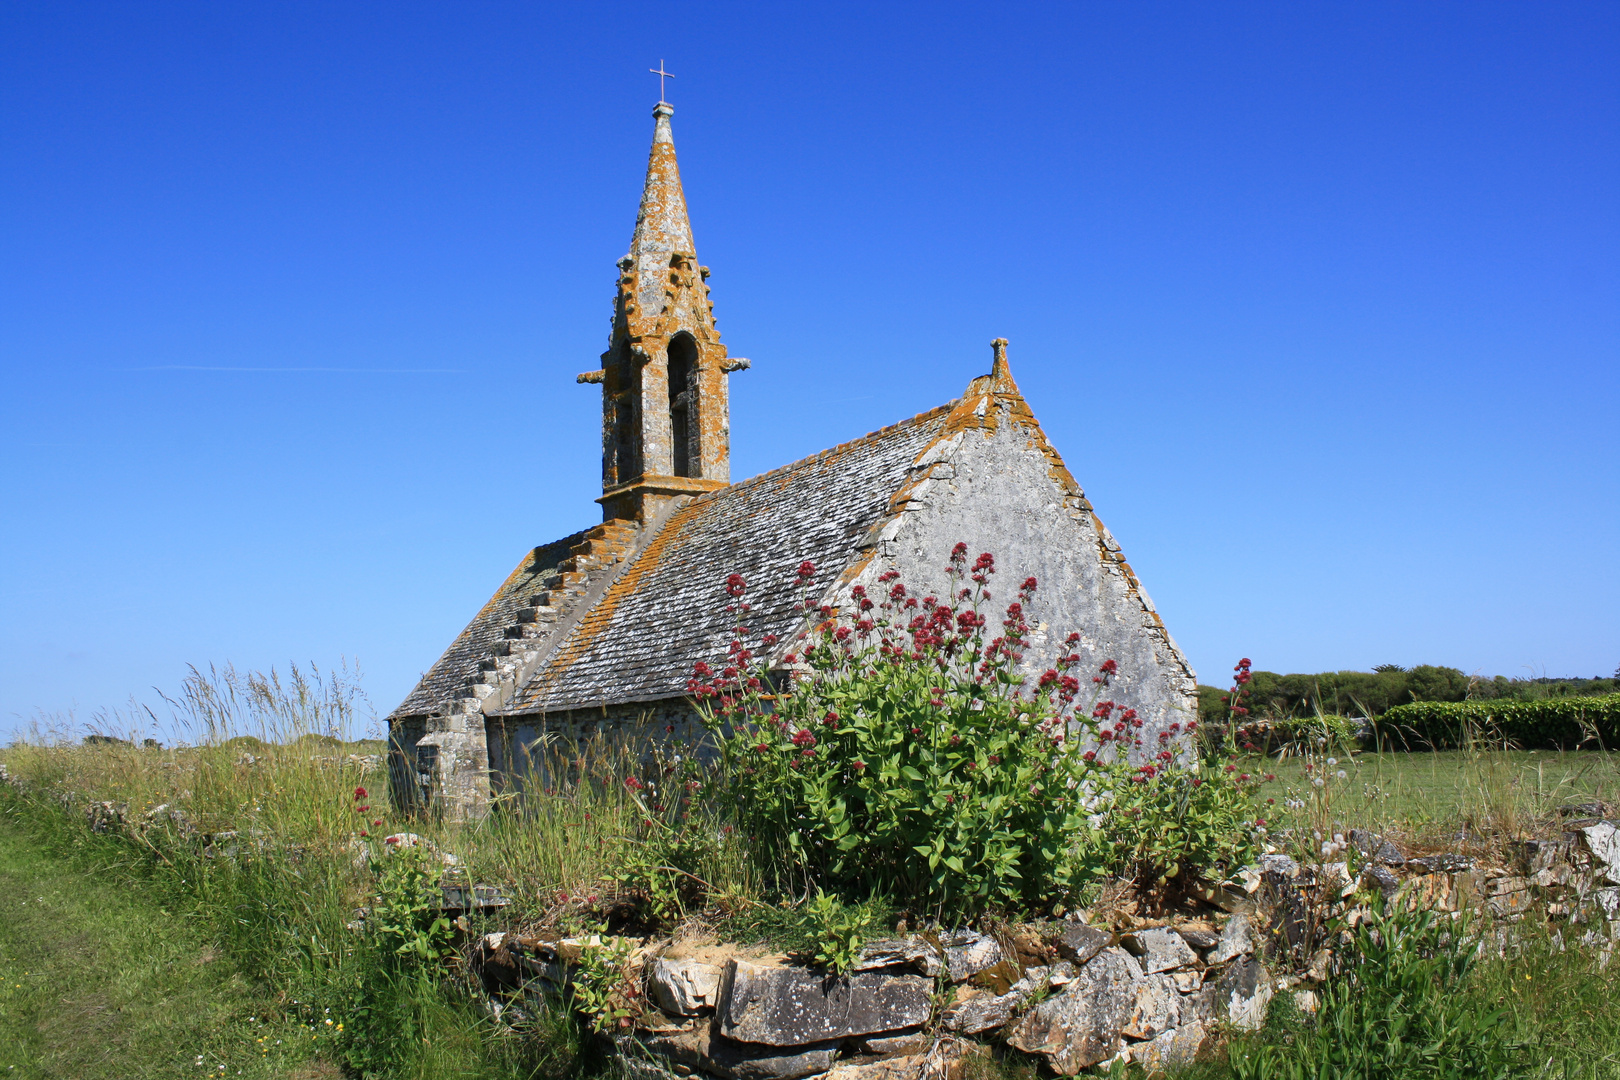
[[98, 978], [1511, 791]]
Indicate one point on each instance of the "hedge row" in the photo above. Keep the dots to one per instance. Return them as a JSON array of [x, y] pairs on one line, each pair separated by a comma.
[[1554, 723]]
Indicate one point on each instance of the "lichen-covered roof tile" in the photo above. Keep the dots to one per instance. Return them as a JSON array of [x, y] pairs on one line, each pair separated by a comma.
[[667, 611]]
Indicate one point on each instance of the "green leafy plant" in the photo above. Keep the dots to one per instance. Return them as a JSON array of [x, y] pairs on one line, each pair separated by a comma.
[[603, 988], [905, 752], [835, 932], [673, 841], [405, 915], [1395, 1011]]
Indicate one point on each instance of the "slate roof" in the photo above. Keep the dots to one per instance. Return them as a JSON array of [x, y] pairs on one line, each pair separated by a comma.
[[667, 610]]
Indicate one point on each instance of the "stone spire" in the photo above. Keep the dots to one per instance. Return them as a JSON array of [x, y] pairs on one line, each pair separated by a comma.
[[666, 424]]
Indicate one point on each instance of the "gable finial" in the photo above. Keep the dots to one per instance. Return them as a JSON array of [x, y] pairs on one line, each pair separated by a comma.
[[662, 75], [998, 349]]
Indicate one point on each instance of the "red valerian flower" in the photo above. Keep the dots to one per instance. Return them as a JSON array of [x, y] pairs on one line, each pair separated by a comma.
[[359, 792], [1109, 667], [735, 585], [804, 738], [807, 569], [702, 670], [361, 809], [1090, 755], [633, 784], [959, 551], [858, 765], [1028, 586]]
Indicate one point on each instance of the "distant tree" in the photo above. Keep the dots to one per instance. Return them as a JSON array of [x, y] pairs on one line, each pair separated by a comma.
[[1388, 669]]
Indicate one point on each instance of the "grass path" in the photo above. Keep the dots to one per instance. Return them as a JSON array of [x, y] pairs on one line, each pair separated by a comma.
[[98, 979]]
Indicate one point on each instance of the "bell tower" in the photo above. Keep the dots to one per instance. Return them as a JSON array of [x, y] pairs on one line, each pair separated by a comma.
[[666, 424]]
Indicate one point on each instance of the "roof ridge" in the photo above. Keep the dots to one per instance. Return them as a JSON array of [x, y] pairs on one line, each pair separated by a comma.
[[760, 478]]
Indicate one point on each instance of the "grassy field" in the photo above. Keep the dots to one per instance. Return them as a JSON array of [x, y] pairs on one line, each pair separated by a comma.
[[1514, 792], [100, 978]]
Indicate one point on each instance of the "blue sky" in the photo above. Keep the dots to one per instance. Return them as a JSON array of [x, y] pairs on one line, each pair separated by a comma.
[[1321, 303]]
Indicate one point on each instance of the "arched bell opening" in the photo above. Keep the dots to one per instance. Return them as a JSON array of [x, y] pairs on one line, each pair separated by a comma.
[[683, 355]]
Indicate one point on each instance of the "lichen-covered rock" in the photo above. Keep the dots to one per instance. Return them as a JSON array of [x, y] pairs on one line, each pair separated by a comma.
[[1603, 841], [1156, 1010], [785, 1006], [899, 1042], [968, 953], [1236, 940], [1241, 994], [1509, 896], [684, 987], [908, 1067], [1079, 943], [1381, 878], [1376, 848], [913, 953], [1177, 1048], [698, 1048], [1198, 938], [1081, 1026], [1159, 949], [979, 1013]]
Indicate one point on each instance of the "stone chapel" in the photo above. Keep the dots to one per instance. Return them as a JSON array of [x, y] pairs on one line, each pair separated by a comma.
[[600, 629]]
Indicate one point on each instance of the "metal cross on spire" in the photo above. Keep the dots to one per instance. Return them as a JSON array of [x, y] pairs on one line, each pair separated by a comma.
[[662, 75]]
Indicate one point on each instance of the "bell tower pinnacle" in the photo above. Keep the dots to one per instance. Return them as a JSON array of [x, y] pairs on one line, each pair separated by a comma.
[[666, 424]]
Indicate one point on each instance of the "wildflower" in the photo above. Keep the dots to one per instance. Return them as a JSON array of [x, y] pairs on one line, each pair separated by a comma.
[[359, 793], [1109, 667], [858, 765], [361, 809], [807, 569], [1341, 774], [803, 738]]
